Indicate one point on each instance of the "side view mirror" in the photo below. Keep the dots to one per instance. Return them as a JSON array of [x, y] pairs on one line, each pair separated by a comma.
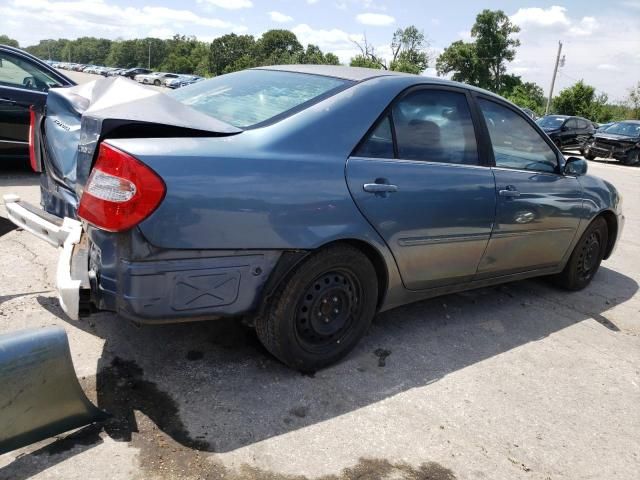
[[575, 166]]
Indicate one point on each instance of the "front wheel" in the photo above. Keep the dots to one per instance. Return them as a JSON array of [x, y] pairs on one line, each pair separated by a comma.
[[632, 158], [586, 257], [322, 309], [156, 83], [589, 156]]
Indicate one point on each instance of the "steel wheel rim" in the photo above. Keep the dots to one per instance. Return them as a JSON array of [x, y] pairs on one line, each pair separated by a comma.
[[328, 310], [589, 256]]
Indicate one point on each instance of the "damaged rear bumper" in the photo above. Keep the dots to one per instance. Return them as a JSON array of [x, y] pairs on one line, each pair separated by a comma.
[[62, 233], [105, 271]]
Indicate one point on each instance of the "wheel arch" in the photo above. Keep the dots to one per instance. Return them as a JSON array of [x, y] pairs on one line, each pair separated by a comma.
[[291, 259], [612, 230]]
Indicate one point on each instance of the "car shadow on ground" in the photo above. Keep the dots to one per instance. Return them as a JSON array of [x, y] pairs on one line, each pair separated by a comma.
[[212, 386]]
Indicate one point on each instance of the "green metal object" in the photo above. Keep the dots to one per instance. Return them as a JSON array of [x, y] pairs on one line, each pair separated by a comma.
[[39, 393]]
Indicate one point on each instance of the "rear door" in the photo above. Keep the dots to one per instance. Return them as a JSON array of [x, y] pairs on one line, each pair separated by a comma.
[[538, 208], [419, 179]]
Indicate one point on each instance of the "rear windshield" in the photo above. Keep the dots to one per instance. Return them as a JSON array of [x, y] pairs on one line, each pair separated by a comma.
[[250, 97]]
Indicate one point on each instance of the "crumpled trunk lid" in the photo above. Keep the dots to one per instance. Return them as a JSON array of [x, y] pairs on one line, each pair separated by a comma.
[[77, 119]]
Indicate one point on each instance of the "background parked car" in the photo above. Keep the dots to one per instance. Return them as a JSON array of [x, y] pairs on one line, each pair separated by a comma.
[[181, 81], [155, 78], [567, 132], [132, 72], [620, 141], [24, 81]]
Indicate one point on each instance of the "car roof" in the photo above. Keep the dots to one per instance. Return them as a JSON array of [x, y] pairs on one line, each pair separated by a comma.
[[360, 74], [356, 74]]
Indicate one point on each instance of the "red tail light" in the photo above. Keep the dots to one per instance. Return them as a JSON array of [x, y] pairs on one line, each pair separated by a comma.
[[32, 140], [121, 191]]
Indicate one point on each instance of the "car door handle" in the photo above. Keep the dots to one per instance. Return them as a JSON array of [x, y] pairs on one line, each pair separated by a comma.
[[379, 188], [7, 101], [509, 192]]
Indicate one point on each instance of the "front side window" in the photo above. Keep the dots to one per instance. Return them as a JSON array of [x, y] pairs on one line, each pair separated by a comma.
[[249, 97], [516, 144], [435, 126], [18, 73]]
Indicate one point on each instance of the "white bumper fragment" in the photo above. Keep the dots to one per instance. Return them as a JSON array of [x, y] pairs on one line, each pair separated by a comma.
[[64, 235]]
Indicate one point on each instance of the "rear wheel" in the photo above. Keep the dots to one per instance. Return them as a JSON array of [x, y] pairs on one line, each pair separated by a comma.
[[322, 310], [586, 257], [589, 156], [156, 83]]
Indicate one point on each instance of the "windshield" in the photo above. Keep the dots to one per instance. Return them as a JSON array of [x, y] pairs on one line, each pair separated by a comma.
[[627, 129], [551, 121], [250, 97]]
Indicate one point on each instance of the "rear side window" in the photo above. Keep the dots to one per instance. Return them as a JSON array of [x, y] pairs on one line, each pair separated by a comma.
[[430, 125], [516, 144], [379, 143], [435, 126], [572, 124], [250, 97]]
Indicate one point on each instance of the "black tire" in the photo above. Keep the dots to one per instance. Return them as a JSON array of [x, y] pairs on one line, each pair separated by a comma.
[[589, 156], [156, 83], [321, 310], [632, 158], [586, 257]]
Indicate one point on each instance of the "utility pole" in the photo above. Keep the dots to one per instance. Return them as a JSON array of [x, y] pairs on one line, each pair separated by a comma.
[[149, 62], [553, 79]]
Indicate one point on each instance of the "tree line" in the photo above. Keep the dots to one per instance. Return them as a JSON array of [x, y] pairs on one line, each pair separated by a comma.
[[186, 54], [481, 62]]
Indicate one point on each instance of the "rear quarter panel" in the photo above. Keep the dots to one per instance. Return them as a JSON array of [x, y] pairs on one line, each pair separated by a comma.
[[275, 187]]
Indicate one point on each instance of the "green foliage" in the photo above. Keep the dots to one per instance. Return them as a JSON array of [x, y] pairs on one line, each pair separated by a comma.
[[527, 95], [580, 99], [5, 40], [460, 59], [633, 102], [409, 50], [182, 54], [482, 62], [277, 45], [364, 61], [231, 52]]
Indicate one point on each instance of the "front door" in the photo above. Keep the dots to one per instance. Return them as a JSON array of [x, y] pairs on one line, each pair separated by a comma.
[[23, 82], [418, 179], [538, 208]]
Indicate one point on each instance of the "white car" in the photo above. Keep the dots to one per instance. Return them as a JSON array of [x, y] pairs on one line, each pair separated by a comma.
[[155, 78]]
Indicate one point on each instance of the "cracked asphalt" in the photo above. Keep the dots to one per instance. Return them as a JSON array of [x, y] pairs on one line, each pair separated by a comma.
[[516, 381]]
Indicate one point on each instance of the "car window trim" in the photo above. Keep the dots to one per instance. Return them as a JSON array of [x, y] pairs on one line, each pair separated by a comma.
[[475, 120], [487, 137], [59, 77]]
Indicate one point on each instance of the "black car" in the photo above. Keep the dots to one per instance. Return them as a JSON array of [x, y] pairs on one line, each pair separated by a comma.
[[24, 81], [567, 132], [620, 141], [132, 72]]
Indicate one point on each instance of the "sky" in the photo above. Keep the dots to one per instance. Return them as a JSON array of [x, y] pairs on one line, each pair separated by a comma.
[[601, 39]]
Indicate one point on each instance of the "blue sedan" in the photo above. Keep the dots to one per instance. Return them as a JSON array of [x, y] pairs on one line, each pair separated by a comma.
[[304, 199]]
